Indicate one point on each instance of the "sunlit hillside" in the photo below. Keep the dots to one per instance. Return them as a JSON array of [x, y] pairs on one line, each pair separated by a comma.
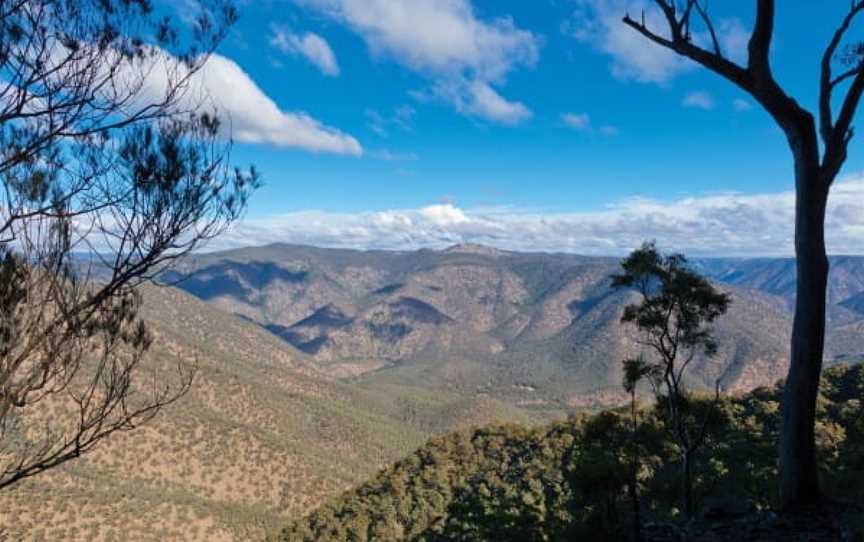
[[261, 437]]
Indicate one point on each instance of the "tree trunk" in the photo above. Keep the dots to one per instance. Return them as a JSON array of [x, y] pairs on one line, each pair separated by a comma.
[[687, 467], [799, 481], [634, 472]]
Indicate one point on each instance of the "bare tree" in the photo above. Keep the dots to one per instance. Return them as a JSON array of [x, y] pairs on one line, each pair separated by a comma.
[[111, 167], [815, 172]]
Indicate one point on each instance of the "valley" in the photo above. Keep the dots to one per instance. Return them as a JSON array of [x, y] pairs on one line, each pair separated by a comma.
[[318, 367], [536, 330]]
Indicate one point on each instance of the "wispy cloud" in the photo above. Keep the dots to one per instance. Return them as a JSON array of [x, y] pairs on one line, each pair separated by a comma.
[[715, 224], [309, 45], [401, 118], [581, 122], [465, 57], [741, 104], [700, 99], [391, 156], [478, 98], [577, 121]]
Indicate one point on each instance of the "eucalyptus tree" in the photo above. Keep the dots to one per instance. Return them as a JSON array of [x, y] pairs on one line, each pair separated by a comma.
[[819, 144], [674, 320], [112, 165]]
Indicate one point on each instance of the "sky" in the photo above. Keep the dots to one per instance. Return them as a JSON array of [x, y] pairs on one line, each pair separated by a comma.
[[528, 125]]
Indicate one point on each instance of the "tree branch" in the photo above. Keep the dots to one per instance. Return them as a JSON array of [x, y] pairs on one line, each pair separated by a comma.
[[827, 84], [680, 45], [708, 24], [758, 49], [757, 79]]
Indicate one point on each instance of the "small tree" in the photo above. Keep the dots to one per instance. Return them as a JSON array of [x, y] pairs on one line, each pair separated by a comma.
[[108, 172], [678, 306]]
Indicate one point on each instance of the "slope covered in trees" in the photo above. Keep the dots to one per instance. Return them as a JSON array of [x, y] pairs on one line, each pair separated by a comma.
[[568, 480]]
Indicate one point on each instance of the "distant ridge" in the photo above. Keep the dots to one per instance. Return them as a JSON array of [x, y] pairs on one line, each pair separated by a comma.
[[475, 248], [534, 329]]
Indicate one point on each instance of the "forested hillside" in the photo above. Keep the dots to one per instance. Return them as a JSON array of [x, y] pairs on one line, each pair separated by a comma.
[[569, 480]]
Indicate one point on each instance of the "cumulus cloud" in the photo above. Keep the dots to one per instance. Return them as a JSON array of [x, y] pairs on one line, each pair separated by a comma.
[[309, 45], [445, 214], [699, 99], [249, 114], [463, 55], [708, 225], [598, 23]]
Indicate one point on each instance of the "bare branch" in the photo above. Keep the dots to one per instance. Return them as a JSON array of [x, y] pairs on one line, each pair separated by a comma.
[[679, 44], [709, 25], [827, 83], [759, 46]]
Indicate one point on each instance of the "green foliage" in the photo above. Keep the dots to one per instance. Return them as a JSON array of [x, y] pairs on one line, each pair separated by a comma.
[[678, 305], [568, 480]]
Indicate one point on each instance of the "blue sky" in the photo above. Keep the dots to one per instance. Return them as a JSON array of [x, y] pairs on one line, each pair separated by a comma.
[[494, 110]]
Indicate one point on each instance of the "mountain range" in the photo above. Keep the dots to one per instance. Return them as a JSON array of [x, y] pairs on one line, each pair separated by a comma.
[[318, 367], [536, 330]]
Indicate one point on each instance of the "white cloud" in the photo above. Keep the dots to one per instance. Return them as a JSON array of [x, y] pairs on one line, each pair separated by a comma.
[[444, 40], [598, 23], [582, 123], [699, 99], [248, 115], [219, 86], [255, 117], [479, 99], [445, 214], [707, 225], [577, 121], [309, 45]]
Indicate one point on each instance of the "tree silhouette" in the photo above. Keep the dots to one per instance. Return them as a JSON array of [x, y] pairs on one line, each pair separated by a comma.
[[678, 306], [815, 171], [110, 169]]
